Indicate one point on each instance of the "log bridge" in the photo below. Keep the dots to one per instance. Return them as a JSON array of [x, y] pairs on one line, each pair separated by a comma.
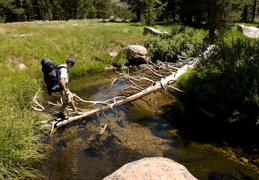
[[163, 81]]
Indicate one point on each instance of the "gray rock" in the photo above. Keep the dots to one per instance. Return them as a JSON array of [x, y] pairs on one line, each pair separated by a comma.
[[137, 54], [154, 168], [22, 66], [249, 31], [150, 30], [153, 31]]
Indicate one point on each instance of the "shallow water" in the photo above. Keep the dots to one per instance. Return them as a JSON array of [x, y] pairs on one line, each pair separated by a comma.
[[134, 131]]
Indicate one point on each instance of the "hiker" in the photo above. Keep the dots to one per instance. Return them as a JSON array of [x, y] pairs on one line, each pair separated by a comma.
[[65, 94]]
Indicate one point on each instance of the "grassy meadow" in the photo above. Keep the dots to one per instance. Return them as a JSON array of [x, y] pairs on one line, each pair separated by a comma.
[[88, 42]]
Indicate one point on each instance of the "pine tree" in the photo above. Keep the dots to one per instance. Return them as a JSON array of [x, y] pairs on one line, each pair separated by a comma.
[[104, 8], [152, 9]]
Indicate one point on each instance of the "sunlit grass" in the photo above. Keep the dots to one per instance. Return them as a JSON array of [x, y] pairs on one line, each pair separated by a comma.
[[19, 142], [87, 42]]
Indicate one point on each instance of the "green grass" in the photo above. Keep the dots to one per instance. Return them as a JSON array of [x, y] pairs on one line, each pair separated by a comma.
[[19, 142], [82, 40], [88, 42]]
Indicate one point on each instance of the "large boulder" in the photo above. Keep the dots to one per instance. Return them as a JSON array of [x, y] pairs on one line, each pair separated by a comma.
[[150, 30], [249, 31], [153, 31], [137, 54], [155, 168]]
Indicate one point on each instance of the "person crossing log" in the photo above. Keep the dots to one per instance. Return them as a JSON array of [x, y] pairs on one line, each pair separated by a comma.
[[164, 75]]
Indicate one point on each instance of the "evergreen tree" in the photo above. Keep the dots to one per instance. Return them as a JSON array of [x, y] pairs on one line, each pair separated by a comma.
[[170, 11], [11, 10], [91, 11], [247, 10], [151, 10], [104, 8], [48, 9], [212, 12], [218, 12], [74, 9], [135, 6], [122, 12]]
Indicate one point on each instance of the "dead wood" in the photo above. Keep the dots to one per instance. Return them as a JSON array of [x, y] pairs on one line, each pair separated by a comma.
[[147, 79]]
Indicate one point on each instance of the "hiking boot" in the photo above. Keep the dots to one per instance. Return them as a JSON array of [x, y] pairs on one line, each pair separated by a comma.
[[61, 115]]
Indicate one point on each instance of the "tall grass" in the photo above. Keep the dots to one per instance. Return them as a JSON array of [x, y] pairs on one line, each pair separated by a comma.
[[19, 142], [87, 42]]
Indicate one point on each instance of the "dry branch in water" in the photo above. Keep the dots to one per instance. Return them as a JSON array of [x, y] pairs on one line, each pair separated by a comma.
[[146, 79]]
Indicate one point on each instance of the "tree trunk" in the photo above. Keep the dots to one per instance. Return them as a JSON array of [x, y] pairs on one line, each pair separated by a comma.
[[245, 13], [254, 10], [162, 81], [110, 106], [212, 26], [158, 85]]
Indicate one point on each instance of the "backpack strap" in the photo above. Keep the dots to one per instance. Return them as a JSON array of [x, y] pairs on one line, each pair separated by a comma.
[[61, 66]]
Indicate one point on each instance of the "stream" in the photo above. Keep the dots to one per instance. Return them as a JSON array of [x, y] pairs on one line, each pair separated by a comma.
[[147, 127]]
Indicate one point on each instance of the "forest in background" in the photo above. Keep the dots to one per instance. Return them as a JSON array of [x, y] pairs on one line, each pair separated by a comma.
[[189, 11], [210, 14]]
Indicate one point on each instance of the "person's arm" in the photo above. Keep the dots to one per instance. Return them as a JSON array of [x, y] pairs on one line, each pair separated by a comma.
[[63, 84]]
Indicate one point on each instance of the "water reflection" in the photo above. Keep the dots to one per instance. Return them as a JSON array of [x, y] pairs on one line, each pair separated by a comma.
[[135, 130]]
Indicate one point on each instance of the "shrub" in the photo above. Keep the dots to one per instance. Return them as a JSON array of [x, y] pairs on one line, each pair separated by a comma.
[[227, 84], [182, 40], [120, 59]]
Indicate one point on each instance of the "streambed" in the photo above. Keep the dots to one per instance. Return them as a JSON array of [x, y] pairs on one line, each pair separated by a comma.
[[134, 131]]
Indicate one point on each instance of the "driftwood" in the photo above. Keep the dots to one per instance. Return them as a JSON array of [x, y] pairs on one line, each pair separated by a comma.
[[156, 76], [163, 83]]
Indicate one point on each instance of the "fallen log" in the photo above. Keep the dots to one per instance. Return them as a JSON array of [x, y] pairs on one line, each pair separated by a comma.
[[164, 83], [158, 85], [110, 106]]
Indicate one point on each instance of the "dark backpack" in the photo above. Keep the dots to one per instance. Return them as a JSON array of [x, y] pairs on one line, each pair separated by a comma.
[[51, 75]]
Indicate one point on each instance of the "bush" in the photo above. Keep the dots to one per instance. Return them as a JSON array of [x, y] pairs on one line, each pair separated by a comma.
[[120, 59], [182, 40], [227, 84]]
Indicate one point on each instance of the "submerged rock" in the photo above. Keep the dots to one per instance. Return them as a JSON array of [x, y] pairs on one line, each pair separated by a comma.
[[155, 168]]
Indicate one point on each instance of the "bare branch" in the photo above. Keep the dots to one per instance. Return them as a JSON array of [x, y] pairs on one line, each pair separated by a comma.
[[146, 79], [179, 90], [40, 107]]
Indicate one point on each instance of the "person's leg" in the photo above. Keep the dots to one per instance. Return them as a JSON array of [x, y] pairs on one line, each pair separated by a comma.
[[71, 100], [73, 105], [64, 99], [62, 108]]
